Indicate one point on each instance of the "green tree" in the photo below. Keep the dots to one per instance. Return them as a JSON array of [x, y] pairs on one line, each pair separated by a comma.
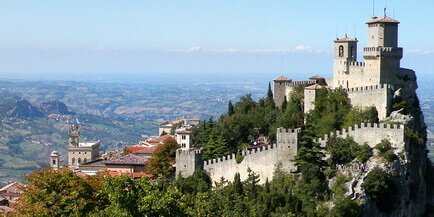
[[269, 92], [230, 108], [341, 150], [360, 115], [59, 193], [380, 189], [363, 153], [215, 147], [163, 158]]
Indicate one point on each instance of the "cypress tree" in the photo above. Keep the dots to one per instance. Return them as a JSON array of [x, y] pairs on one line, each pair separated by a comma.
[[230, 108], [269, 92]]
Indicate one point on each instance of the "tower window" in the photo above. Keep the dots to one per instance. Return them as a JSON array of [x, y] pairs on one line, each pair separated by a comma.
[[341, 51], [353, 52], [54, 162]]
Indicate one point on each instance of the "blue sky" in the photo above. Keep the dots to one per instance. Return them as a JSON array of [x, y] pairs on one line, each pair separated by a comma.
[[84, 39]]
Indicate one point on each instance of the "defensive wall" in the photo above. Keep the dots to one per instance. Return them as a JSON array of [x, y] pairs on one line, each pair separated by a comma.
[[370, 133], [380, 96], [187, 161], [283, 89], [261, 160]]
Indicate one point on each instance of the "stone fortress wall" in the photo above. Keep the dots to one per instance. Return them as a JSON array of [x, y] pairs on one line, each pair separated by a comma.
[[380, 96], [370, 133], [263, 160]]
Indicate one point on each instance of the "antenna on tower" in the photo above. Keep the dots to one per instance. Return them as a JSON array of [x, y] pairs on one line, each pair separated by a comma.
[[355, 31], [373, 8], [385, 11]]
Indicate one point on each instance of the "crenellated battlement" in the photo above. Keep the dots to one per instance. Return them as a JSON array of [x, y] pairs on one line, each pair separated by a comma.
[[189, 151], [369, 88], [295, 83], [261, 159], [283, 130], [371, 133], [354, 63]]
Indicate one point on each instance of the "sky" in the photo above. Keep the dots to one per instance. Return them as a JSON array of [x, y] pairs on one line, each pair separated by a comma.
[[130, 40]]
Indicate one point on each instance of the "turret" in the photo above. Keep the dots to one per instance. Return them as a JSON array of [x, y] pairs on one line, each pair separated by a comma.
[[279, 93], [54, 160]]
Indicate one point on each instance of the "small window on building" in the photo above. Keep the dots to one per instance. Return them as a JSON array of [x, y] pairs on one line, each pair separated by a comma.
[[341, 51], [353, 52], [183, 137], [79, 161], [85, 152], [73, 160], [79, 152], [85, 160], [54, 162]]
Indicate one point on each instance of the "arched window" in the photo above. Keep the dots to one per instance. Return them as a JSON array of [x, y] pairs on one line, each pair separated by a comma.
[[341, 51], [85, 160], [73, 160], [54, 162], [79, 160]]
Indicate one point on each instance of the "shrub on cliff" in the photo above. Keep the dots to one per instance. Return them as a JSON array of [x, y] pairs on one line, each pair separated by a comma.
[[380, 189]]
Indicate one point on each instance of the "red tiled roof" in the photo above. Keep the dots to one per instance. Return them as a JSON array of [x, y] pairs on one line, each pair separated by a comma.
[[129, 159], [134, 149], [5, 209], [134, 175], [281, 78], [383, 19], [314, 87], [147, 150], [316, 77], [9, 194]]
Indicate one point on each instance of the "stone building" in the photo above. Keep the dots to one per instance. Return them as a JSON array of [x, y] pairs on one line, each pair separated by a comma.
[[368, 83], [80, 153]]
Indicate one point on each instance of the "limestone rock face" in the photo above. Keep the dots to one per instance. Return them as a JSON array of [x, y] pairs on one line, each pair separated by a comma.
[[410, 170]]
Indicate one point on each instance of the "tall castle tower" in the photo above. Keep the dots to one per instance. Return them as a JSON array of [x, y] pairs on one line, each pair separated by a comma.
[[382, 54]]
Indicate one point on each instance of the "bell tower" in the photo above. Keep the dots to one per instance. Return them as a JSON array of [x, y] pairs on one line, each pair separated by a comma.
[[345, 52]]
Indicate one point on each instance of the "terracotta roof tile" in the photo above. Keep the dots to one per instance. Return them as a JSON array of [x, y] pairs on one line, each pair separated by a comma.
[[383, 19], [129, 159], [281, 78], [314, 87]]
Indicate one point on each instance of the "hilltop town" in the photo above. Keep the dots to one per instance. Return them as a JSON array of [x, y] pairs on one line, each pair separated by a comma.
[[353, 144]]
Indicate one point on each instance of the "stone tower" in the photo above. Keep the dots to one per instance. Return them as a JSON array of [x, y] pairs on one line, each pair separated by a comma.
[[382, 54], [55, 160], [74, 136], [345, 52], [187, 161], [280, 89]]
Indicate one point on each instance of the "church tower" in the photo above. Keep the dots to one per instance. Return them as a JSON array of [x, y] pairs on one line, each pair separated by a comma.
[[345, 52], [74, 136], [382, 54]]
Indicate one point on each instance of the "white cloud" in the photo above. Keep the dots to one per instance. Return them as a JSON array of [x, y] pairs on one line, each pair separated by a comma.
[[301, 48]]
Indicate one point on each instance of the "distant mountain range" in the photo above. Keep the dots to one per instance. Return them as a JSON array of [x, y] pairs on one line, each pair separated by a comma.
[[23, 109]]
